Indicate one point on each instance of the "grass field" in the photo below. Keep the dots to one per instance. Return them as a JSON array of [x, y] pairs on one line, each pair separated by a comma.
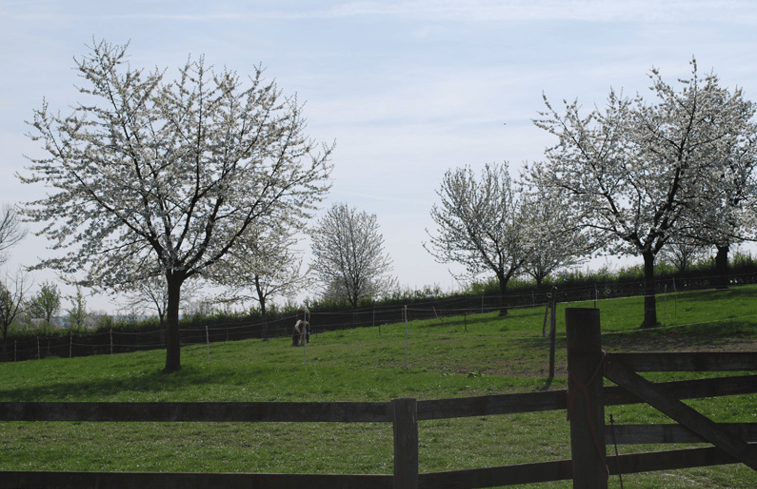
[[448, 357]]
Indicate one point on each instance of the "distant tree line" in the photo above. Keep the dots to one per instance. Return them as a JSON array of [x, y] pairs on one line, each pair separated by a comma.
[[425, 303]]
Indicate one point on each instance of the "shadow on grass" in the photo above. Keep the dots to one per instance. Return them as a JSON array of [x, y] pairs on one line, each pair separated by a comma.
[[457, 321], [711, 295], [141, 386], [515, 320], [726, 328]]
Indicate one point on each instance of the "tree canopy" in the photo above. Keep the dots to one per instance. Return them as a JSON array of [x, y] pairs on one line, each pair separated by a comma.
[[637, 172], [480, 225], [348, 255], [554, 240], [11, 231], [13, 290], [46, 303], [153, 176], [264, 265]]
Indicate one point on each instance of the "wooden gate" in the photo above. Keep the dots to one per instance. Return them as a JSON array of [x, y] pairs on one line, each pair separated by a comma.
[[588, 364]]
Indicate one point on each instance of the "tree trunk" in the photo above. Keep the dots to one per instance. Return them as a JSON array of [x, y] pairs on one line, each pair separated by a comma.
[[261, 300], [261, 296], [502, 295], [721, 268], [650, 303], [173, 342], [265, 319]]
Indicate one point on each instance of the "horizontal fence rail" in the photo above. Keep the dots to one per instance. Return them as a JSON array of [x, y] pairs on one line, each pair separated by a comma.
[[688, 361], [184, 480], [350, 412], [640, 434]]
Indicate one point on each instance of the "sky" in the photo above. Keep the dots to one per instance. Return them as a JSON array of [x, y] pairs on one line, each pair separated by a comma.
[[406, 89]]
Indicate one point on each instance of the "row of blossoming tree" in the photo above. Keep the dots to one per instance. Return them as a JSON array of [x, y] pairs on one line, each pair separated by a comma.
[[638, 177], [211, 177]]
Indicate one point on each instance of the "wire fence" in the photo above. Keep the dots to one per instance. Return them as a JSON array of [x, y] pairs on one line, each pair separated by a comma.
[[118, 341]]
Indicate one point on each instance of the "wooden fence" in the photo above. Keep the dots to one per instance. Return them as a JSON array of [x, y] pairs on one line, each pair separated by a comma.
[[585, 400]]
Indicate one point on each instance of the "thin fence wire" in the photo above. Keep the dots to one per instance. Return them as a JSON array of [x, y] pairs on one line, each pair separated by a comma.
[[117, 341]]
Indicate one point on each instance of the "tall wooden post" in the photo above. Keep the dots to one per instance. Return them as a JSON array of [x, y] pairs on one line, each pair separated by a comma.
[[405, 418], [585, 403]]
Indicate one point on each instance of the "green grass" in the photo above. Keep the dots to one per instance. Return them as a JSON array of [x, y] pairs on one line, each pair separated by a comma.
[[448, 357]]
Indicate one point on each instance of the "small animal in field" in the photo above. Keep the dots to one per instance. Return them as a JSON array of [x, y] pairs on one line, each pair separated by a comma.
[[301, 333]]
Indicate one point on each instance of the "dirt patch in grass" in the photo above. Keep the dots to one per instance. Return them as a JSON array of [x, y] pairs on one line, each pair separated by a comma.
[[533, 360]]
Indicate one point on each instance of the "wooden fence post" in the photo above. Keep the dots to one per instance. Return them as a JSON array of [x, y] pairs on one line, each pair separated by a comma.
[[207, 340], [552, 334], [405, 427], [407, 346], [585, 404]]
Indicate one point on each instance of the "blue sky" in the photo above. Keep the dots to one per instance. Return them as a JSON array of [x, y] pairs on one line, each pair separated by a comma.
[[408, 89]]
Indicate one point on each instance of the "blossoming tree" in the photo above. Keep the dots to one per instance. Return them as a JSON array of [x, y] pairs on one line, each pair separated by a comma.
[[636, 171], [152, 175], [480, 225]]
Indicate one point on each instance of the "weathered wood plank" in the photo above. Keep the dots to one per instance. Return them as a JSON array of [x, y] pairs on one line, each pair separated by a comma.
[[556, 400], [689, 389], [678, 411], [341, 412], [166, 480], [346, 412], [585, 404], [497, 476], [668, 460], [462, 479], [688, 361], [492, 405], [405, 429], [634, 434]]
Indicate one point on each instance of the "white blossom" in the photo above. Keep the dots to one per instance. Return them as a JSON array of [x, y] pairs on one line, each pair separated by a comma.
[[149, 173], [348, 255], [635, 170], [479, 224]]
